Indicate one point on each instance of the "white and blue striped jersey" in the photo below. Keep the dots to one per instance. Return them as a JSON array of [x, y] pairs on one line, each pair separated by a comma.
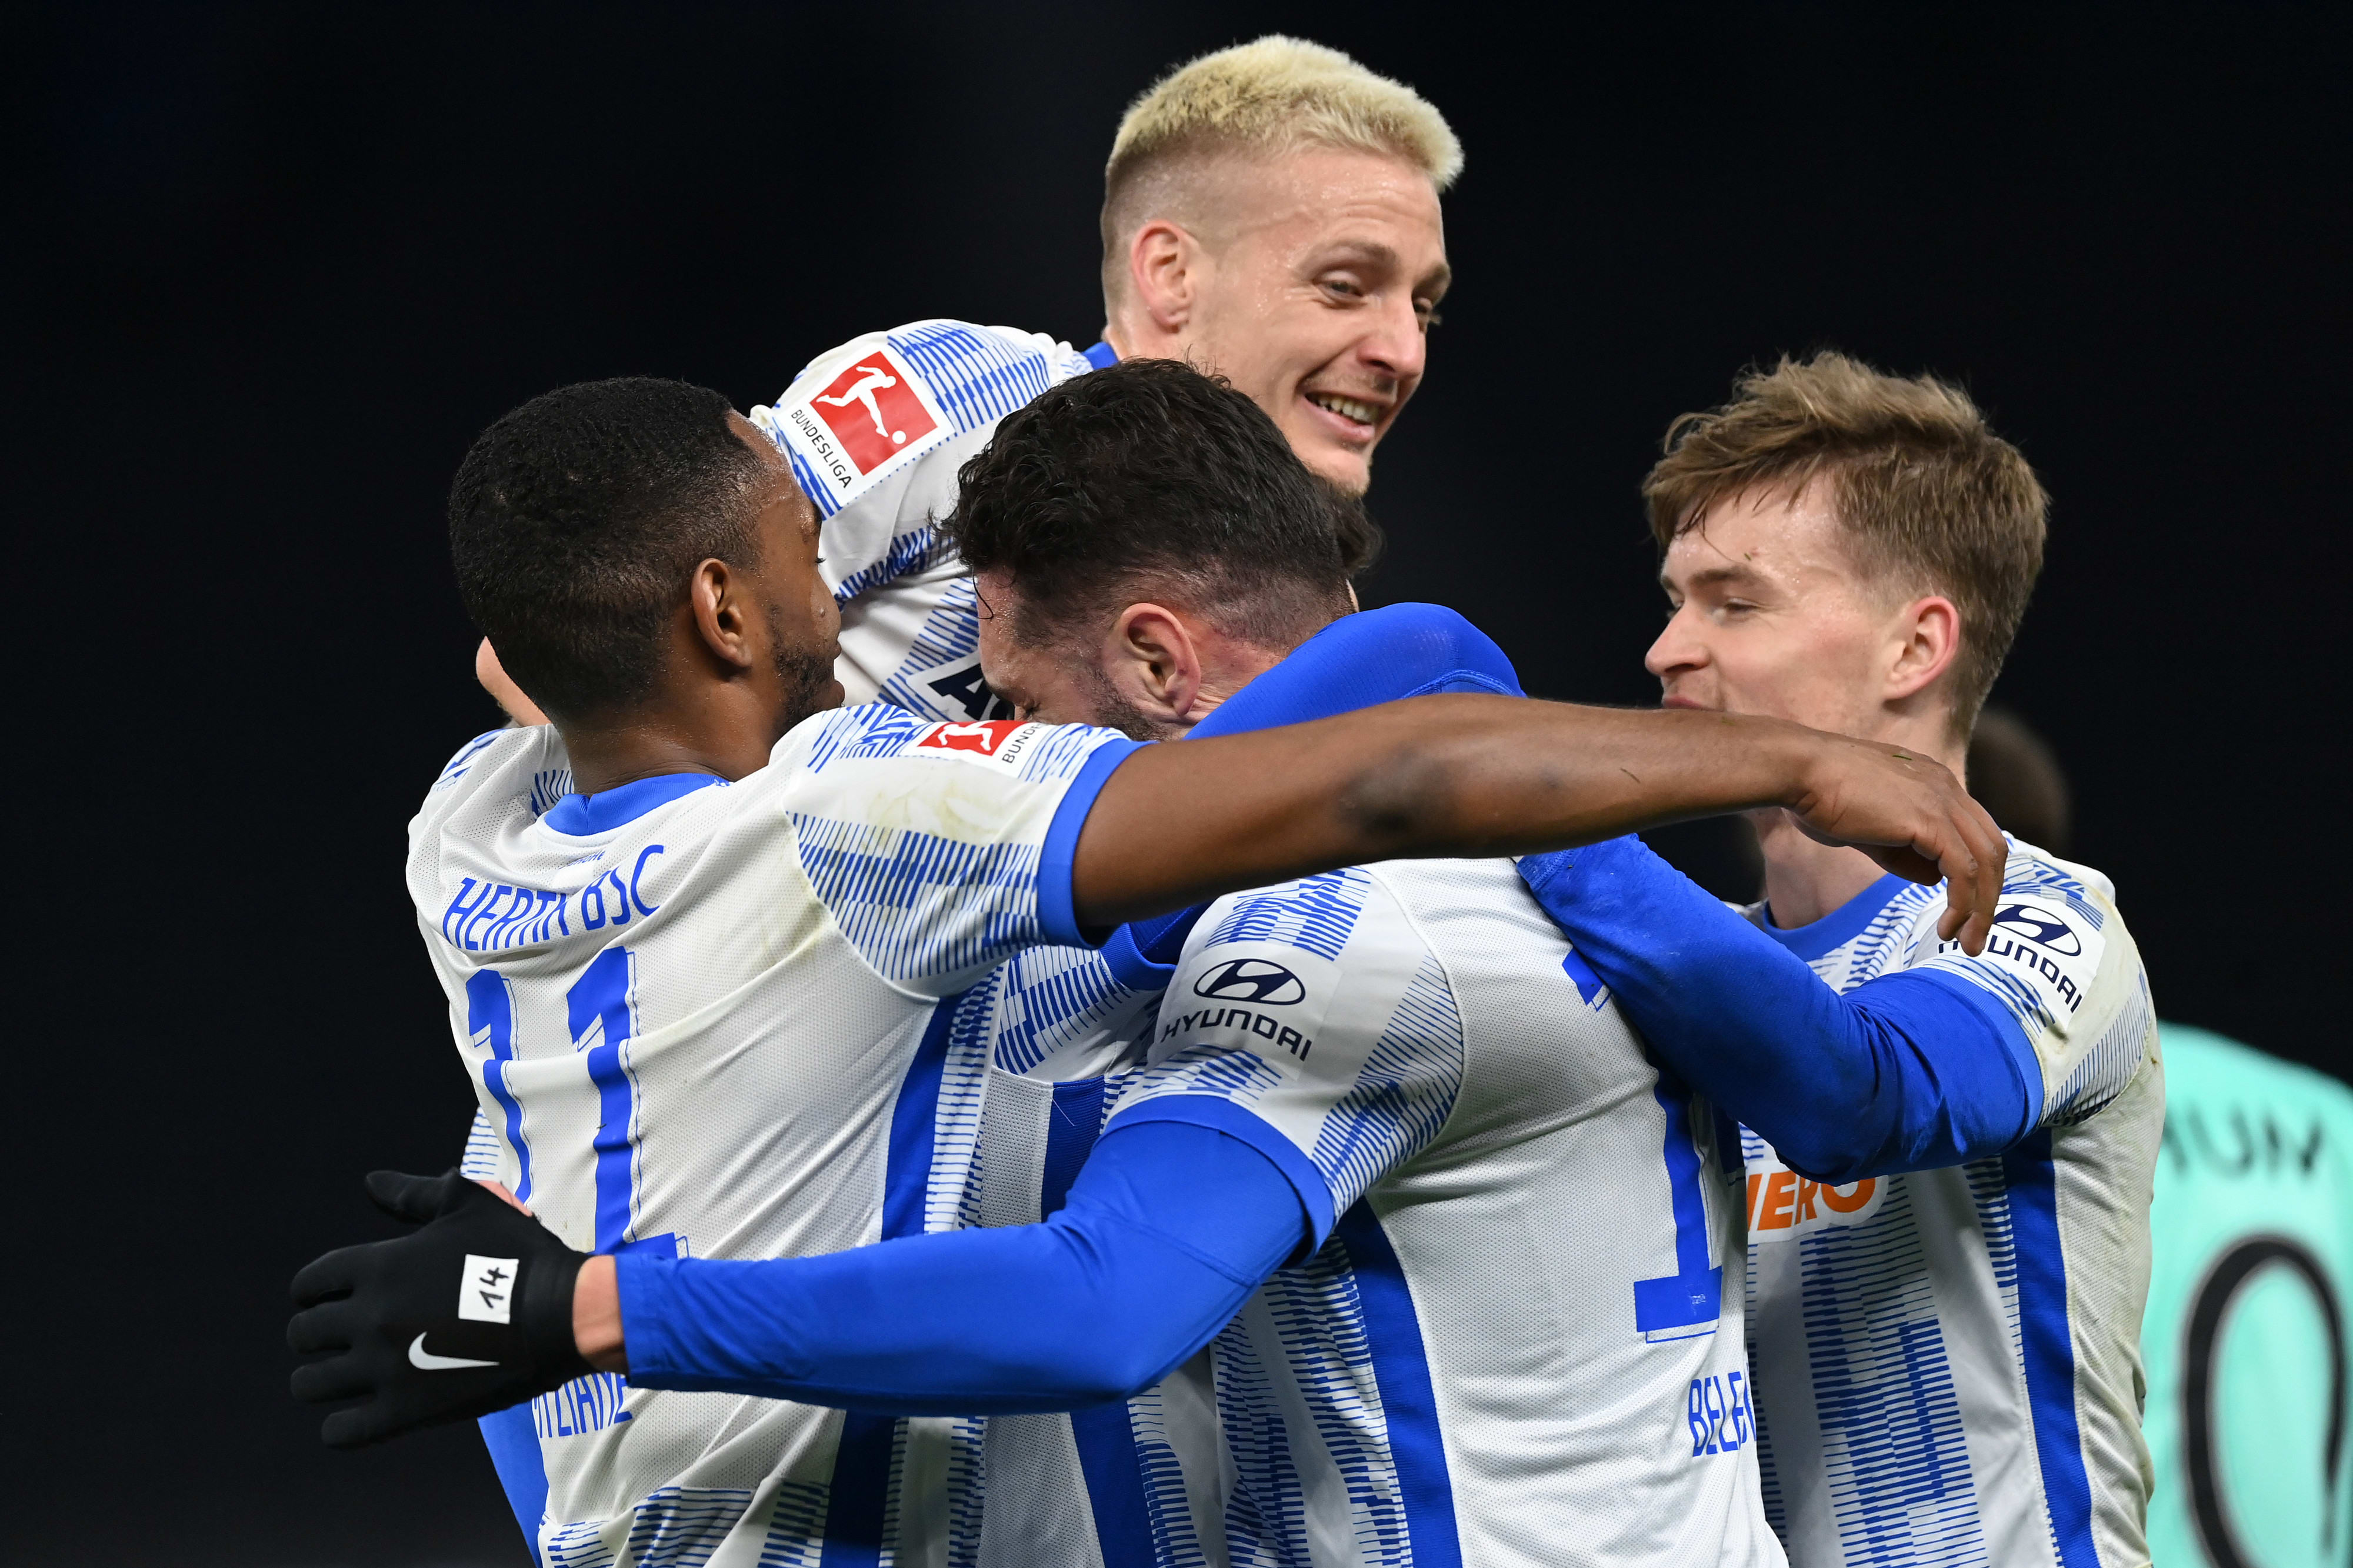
[[721, 1020], [1947, 1361], [1042, 1047], [875, 431], [1510, 1342]]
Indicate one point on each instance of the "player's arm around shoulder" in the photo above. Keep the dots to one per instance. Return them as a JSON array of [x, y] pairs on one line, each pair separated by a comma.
[[1315, 1021], [2060, 959]]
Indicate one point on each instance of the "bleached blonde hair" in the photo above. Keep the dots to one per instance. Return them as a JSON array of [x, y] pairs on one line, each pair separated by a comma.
[[1271, 95]]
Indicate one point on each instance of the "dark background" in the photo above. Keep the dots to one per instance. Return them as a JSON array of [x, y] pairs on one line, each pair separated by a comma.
[[269, 270]]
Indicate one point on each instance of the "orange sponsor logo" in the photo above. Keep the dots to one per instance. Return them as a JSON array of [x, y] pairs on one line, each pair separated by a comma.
[[1781, 1199]]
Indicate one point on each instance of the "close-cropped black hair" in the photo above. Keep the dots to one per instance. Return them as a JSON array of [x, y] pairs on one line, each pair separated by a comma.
[[575, 521], [1150, 476]]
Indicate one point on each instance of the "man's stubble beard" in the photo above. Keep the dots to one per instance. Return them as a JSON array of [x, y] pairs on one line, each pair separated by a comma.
[[1111, 709], [805, 672]]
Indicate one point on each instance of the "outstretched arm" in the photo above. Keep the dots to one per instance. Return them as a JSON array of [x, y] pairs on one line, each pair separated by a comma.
[[1912, 1071], [1167, 1230], [1463, 776]]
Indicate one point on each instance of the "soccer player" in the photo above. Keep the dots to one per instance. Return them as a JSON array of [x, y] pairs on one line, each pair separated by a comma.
[[2250, 1267], [704, 992], [1948, 1199], [1271, 211]]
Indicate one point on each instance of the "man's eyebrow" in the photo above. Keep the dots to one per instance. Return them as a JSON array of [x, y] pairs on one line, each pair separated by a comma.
[[1732, 573], [1373, 253]]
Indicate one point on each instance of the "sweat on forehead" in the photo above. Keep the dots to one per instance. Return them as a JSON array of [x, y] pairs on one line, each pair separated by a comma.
[[1924, 496], [1237, 108]]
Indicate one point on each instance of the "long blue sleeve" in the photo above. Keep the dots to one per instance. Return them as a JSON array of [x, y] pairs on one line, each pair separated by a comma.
[[1167, 1229], [1373, 656], [1911, 1071]]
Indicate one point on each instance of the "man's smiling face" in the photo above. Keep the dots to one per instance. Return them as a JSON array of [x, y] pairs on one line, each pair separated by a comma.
[[1327, 274]]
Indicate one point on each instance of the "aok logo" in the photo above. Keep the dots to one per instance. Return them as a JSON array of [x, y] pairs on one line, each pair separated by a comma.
[[1251, 980], [873, 411], [1782, 1204], [993, 740]]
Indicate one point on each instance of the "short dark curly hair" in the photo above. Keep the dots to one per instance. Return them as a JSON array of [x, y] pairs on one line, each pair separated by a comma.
[[1150, 477], [576, 521]]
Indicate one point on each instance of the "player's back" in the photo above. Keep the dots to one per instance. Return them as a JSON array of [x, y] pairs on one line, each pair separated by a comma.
[[1513, 1344], [709, 1019]]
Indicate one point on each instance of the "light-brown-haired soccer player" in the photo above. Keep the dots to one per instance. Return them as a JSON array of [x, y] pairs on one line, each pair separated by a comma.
[[1948, 1208], [711, 992]]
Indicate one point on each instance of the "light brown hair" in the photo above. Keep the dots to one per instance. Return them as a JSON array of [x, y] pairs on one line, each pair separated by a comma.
[[1271, 95], [1930, 500]]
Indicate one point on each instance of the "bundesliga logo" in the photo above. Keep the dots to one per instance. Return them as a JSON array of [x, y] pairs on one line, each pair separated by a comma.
[[873, 411], [995, 742]]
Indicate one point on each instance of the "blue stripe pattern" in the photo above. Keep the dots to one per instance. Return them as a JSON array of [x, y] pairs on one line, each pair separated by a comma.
[[1045, 998], [858, 1506], [2108, 1067], [1105, 1438], [795, 1536], [1409, 1405], [1403, 1094], [1266, 1513], [908, 552], [1893, 1444], [1314, 915], [674, 1527], [908, 901], [2049, 1348], [977, 376]]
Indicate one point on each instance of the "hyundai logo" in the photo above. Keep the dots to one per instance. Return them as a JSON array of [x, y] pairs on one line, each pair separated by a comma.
[[2039, 926], [1251, 980]]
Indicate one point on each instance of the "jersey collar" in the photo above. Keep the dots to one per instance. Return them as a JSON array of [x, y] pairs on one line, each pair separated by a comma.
[[579, 816], [1102, 356], [1838, 927]]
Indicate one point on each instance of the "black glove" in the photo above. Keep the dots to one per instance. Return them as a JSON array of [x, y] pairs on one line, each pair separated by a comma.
[[469, 1315]]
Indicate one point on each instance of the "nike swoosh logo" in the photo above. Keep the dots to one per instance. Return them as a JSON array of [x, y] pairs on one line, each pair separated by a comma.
[[424, 1360]]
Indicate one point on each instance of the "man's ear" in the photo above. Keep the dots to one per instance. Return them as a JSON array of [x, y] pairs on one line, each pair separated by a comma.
[[722, 617], [1164, 269], [1152, 659], [1929, 634]]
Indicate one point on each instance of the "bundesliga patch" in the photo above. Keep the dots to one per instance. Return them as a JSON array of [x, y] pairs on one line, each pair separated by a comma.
[[873, 416], [999, 742]]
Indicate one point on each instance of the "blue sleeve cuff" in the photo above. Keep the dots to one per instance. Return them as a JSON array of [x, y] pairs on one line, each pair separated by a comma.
[[642, 1280], [1057, 913], [1132, 967], [1246, 1127]]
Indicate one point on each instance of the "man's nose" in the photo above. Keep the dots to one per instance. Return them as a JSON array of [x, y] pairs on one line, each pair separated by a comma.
[[1396, 347], [1676, 649]]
